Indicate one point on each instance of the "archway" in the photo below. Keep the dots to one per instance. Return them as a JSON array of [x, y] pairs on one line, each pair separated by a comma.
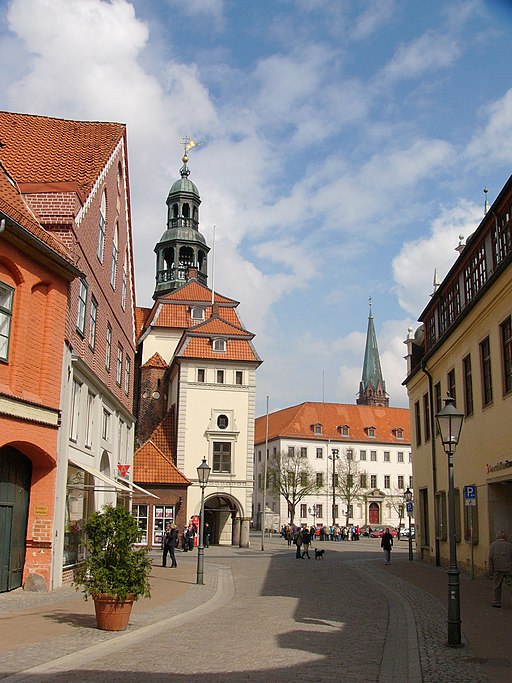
[[15, 478], [223, 514], [374, 513]]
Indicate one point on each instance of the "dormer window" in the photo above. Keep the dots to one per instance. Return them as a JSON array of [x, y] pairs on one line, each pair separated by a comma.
[[370, 431], [399, 433], [219, 345], [344, 430], [316, 428], [197, 313]]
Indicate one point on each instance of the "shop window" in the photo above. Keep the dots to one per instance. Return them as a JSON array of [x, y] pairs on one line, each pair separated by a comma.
[[75, 516], [140, 512], [162, 515]]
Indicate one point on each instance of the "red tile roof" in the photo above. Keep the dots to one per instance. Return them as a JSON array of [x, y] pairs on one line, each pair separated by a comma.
[[151, 466], [174, 314], [201, 347], [14, 206], [217, 326], [193, 292], [297, 421], [156, 361], [141, 315], [52, 152]]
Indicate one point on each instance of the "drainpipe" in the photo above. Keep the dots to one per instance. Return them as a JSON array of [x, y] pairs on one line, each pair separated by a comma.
[[433, 450]]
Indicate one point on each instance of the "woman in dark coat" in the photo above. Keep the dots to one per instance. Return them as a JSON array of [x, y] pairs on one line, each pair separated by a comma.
[[386, 543]]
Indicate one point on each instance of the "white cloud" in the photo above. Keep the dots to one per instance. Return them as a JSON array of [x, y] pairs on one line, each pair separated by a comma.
[[494, 139], [376, 13], [413, 267], [429, 52]]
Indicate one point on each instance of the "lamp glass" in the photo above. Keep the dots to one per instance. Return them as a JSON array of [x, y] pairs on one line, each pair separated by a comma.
[[408, 495], [203, 472], [449, 421]]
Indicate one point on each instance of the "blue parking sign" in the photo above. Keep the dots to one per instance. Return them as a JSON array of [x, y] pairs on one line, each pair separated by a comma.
[[470, 492]]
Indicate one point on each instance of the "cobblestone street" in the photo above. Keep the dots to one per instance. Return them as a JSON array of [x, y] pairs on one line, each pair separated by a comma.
[[265, 616]]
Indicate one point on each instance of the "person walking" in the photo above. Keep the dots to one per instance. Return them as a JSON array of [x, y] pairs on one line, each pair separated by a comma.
[[386, 543], [500, 564], [166, 545], [206, 535], [306, 540]]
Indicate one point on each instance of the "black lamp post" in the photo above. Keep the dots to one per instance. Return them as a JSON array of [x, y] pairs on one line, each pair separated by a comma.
[[203, 474], [408, 502], [449, 422]]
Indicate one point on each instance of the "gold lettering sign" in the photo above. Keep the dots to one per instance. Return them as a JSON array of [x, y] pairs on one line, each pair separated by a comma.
[[41, 510]]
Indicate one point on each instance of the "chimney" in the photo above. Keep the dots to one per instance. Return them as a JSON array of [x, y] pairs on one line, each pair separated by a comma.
[[192, 273], [215, 309]]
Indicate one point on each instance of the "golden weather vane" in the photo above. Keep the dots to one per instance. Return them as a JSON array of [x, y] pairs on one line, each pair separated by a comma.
[[188, 143]]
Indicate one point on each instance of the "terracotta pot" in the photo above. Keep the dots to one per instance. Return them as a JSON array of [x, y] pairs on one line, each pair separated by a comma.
[[112, 615]]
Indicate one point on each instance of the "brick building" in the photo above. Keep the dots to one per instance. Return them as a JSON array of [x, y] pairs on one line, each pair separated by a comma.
[[73, 177]]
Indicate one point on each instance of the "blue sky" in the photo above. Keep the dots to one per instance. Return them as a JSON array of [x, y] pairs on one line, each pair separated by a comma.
[[346, 146]]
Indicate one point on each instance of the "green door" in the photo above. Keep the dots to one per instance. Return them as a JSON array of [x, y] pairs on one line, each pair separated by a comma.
[[15, 476]]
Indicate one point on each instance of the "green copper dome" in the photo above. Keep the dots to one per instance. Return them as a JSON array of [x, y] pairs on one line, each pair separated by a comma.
[[184, 184]]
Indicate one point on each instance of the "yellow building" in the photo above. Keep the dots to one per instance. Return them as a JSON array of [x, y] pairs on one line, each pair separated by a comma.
[[463, 348]]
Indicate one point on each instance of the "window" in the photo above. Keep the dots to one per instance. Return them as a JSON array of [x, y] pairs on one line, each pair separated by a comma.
[[291, 451], [373, 481], [350, 453], [450, 386], [371, 432], [437, 400], [220, 376], [373, 456], [303, 510], [115, 254], [119, 364], [387, 456], [485, 361], [317, 429], [82, 305], [197, 313], [387, 481], [221, 457], [362, 480], [89, 423], [506, 352], [399, 433], [259, 456], [344, 430], [162, 516], [75, 410], [362, 455], [319, 453], [410, 457], [320, 479], [6, 299], [219, 345], [319, 510], [201, 375], [468, 385], [127, 374], [101, 227], [410, 482], [108, 347], [124, 285], [417, 420], [140, 512], [400, 456], [105, 425], [303, 452], [239, 377], [400, 481], [426, 416], [93, 315], [222, 422]]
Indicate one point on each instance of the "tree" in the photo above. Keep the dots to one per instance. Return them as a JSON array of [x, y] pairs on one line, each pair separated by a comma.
[[289, 474], [396, 500], [348, 483]]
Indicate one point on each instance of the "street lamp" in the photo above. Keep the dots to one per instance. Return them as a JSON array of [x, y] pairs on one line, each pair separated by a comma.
[[408, 505], [449, 422], [334, 456], [203, 474]]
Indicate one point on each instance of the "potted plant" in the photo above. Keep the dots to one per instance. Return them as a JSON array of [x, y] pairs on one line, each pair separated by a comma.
[[115, 572]]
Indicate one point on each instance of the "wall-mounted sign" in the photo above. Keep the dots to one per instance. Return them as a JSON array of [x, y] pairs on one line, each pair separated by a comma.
[[41, 510]]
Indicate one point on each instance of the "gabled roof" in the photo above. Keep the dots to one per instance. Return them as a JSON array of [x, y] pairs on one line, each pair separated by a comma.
[[218, 326], [194, 292], [50, 154], [201, 348], [151, 466], [296, 422], [14, 207], [175, 314], [156, 361]]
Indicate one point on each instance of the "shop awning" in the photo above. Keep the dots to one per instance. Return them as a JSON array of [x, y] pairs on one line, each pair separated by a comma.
[[139, 488], [112, 483]]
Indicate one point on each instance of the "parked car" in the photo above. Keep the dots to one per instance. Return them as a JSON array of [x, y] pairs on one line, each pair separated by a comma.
[[379, 532], [404, 533]]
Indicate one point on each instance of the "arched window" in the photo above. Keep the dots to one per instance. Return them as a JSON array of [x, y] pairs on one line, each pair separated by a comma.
[[6, 301], [101, 226], [115, 254]]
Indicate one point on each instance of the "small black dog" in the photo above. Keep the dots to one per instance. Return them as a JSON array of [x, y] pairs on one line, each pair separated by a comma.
[[319, 554]]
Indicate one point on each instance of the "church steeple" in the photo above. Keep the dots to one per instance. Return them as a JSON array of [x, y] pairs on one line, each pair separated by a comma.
[[182, 251], [372, 388]]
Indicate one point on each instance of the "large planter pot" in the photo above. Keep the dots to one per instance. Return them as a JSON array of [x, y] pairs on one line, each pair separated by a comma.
[[112, 615]]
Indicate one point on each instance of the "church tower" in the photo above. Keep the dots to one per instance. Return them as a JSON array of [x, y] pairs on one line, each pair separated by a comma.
[[372, 388], [182, 251]]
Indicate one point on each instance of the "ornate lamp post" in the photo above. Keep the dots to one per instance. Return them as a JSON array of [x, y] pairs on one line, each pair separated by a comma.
[[408, 505], [203, 474], [449, 421], [334, 456]]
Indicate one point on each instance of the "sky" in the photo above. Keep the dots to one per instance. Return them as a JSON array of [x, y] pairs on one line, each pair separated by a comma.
[[346, 145]]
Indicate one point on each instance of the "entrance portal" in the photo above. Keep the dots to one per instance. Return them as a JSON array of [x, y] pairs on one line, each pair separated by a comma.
[[15, 477], [221, 513], [374, 514]]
